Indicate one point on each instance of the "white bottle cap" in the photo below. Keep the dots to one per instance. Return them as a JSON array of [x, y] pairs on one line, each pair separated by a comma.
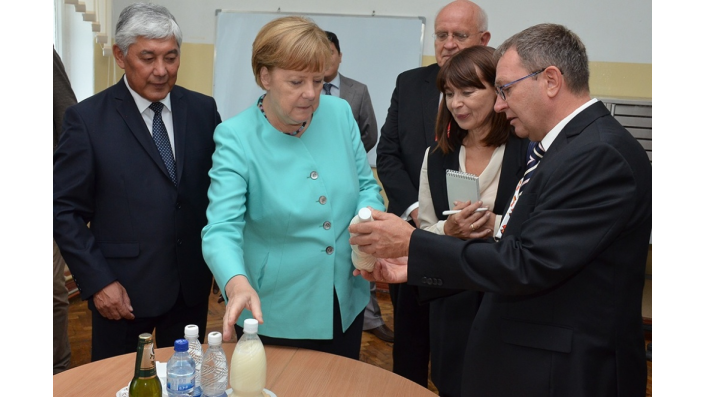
[[191, 331], [250, 326], [365, 214], [215, 338]]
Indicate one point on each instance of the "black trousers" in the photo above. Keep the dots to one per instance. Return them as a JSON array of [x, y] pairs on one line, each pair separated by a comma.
[[411, 334], [115, 337], [346, 344]]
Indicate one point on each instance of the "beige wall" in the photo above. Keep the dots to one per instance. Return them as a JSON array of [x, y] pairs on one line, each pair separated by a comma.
[[195, 71], [611, 79], [607, 79]]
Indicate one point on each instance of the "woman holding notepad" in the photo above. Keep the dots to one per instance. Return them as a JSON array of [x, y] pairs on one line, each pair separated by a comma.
[[473, 139]]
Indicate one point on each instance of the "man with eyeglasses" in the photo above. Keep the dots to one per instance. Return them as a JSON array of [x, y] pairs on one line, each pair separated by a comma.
[[561, 314], [407, 132]]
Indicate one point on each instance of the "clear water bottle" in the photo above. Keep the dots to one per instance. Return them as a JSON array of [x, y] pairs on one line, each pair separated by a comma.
[[180, 371], [214, 372], [196, 352]]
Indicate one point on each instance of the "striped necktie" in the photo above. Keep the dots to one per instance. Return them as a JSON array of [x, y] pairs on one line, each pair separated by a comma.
[[161, 138], [535, 155], [326, 88]]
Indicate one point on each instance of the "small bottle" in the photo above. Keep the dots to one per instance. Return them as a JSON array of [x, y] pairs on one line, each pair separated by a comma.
[[361, 260], [180, 371], [196, 352], [145, 383], [214, 372], [248, 367]]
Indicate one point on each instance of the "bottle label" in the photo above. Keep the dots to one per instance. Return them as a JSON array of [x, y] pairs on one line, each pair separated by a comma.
[[180, 384], [147, 368], [145, 356]]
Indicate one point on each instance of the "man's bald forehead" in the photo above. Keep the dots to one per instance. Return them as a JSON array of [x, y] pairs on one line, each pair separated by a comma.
[[459, 6]]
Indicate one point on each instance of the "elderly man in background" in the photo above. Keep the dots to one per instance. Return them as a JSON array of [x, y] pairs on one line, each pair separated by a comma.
[[133, 162], [407, 132], [561, 315]]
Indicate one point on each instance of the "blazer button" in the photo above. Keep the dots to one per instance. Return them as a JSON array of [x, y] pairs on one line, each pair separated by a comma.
[[323, 200], [329, 250], [314, 175], [326, 225], [179, 242], [178, 205]]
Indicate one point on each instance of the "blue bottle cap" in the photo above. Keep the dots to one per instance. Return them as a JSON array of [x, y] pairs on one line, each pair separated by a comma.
[[181, 345]]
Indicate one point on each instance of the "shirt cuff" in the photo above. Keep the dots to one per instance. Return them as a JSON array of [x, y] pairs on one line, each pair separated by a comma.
[[406, 215]]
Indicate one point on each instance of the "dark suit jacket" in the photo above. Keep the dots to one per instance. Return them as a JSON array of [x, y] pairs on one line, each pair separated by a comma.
[[361, 105], [144, 231], [405, 135], [452, 311], [561, 315]]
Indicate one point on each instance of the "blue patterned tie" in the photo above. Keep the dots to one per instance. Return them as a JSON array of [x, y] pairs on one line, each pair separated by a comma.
[[161, 138], [326, 88], [535, 155]]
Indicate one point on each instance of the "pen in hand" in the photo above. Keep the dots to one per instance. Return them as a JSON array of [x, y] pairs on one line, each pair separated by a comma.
[[451, 212]]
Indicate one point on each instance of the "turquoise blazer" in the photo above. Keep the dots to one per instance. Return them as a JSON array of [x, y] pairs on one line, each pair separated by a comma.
[[279, 212]]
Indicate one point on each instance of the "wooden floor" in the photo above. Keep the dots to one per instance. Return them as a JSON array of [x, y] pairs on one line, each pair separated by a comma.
[[373, 350]]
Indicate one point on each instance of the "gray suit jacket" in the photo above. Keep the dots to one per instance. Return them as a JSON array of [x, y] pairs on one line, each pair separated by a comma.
[[359, 99]]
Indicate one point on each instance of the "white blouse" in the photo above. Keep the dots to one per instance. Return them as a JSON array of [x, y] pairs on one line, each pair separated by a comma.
[[489, 181]]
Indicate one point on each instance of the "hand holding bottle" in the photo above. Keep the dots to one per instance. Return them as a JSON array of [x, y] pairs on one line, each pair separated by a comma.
[[241, 296]]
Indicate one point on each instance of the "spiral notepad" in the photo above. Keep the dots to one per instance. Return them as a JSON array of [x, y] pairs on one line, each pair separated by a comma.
[[462, 187]]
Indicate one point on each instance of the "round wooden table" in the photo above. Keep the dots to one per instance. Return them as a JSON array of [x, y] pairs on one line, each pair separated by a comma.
[[290, 372]]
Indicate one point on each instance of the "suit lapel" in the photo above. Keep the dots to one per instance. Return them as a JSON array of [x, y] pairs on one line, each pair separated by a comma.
[[179, 115], [346, 89], [574, 127], [126, 107], [430, 97]]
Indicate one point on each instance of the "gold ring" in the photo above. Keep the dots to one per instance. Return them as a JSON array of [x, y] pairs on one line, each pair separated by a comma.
[[472, 225]]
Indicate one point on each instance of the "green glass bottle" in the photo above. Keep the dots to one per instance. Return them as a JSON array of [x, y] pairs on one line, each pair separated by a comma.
[[145, 383]]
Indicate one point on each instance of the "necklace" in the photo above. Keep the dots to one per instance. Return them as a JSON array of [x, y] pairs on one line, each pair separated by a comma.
[[261, 108]]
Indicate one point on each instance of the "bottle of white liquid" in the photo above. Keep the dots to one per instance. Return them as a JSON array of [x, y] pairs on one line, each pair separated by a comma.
[[248, 367], [361, 260]]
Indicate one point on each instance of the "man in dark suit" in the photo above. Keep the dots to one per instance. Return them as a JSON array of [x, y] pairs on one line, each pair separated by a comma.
[[133, 163], [562, 311], [356, 94], [405, 135], [63, 98]]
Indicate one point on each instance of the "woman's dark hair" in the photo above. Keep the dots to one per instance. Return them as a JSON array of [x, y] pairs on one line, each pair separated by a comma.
[[471, 67]]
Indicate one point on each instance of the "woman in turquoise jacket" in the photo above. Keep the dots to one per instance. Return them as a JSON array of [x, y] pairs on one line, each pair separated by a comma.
[[289, 173]]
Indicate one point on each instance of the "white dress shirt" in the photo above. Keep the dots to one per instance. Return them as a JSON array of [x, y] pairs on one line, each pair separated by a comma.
[[489, 182], [148, 114]]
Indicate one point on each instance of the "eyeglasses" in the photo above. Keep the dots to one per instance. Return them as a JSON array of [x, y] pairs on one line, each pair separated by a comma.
[[457, 36], [501, 90]]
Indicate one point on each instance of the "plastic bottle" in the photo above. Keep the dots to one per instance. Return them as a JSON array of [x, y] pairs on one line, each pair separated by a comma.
[[361, 260], [248, 367], [214, 372], [180, 371], [196, 352], [145, 382]]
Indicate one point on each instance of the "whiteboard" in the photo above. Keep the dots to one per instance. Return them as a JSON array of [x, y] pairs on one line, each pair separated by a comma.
[[375, 50]]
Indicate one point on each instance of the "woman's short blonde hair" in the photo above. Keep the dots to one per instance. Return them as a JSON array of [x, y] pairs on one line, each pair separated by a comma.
[[292, 43]]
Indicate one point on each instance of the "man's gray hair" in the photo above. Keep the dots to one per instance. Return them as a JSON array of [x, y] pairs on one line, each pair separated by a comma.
[[547, 45], [147, 20]]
